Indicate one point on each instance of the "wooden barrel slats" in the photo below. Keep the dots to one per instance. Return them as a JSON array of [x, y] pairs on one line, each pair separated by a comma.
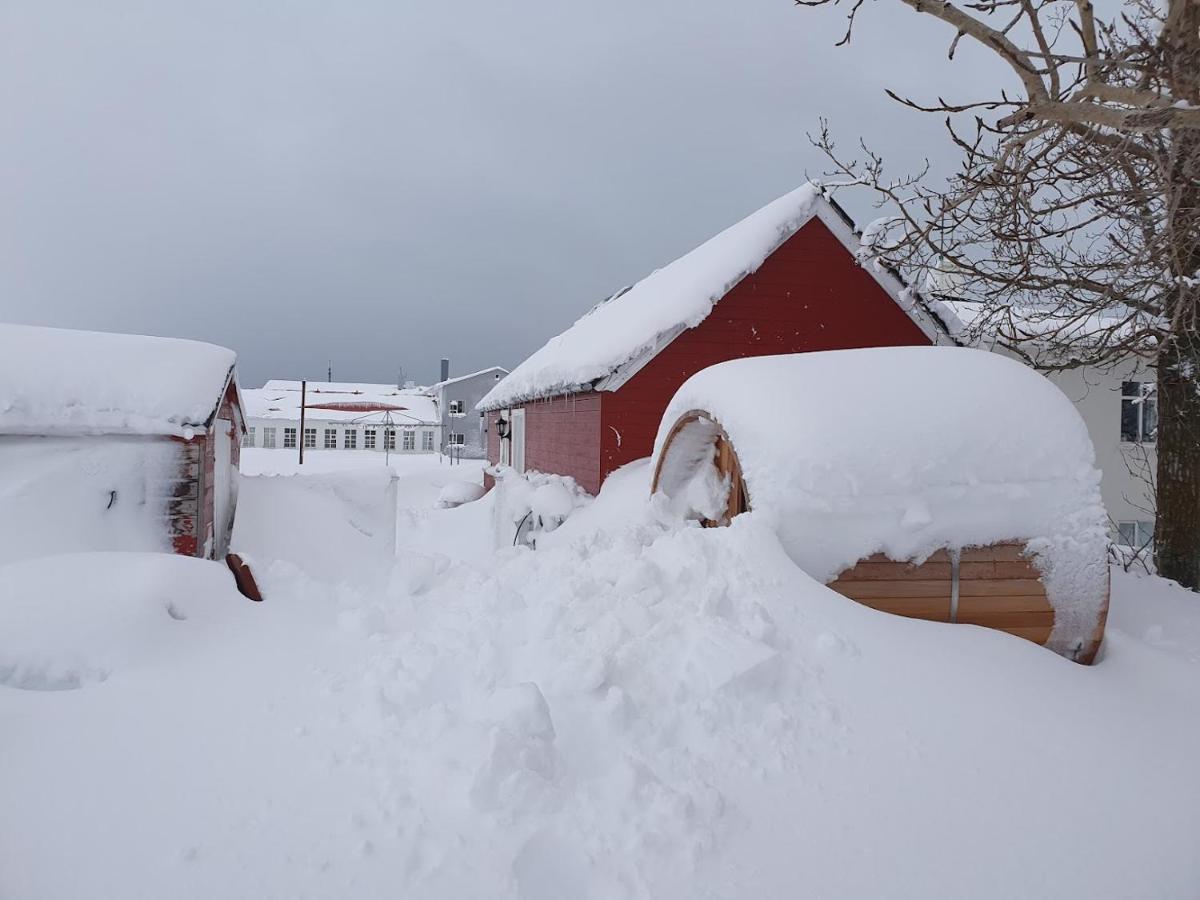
[[997, 588]]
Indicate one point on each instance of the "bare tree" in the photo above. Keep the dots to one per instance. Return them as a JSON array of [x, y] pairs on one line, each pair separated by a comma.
[[1073, 218]]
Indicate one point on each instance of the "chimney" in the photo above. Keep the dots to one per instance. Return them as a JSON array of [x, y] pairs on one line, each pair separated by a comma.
[[445, 369]]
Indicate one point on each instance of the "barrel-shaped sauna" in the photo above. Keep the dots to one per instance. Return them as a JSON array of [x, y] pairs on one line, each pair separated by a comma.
[[939, 483]]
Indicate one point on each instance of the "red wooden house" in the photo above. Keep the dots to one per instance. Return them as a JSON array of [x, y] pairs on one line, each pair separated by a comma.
[[786, 279], [117, 442]]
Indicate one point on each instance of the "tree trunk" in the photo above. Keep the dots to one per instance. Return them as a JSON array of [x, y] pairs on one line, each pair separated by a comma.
[[1177, 529]]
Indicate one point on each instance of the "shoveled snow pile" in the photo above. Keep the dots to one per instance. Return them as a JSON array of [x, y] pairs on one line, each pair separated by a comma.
[[903, 451], [639, 708], [679, 294], [58, 381], [75, 620], [456, 493]]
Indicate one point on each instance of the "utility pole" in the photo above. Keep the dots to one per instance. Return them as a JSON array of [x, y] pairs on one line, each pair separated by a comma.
[[303, 404]]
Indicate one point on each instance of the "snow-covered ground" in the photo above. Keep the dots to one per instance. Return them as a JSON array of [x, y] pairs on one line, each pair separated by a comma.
[[638, 708]]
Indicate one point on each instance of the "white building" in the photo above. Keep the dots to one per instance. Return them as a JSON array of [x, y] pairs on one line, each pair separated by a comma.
[[342, 416]]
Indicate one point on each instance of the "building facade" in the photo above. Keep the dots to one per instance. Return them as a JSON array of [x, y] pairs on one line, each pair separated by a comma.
[[341, 416], [463, 427]]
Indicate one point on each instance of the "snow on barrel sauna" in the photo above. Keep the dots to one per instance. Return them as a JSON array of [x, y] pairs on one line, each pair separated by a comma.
[[939, 483]]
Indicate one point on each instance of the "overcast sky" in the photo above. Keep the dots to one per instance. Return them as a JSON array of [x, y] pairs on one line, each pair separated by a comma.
[[385, 183]]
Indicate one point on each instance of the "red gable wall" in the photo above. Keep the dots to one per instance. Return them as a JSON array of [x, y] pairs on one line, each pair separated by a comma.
[[810, 294]]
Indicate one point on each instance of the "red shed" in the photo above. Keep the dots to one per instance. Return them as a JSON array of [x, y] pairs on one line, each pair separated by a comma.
[[786, 279], [116, 442]]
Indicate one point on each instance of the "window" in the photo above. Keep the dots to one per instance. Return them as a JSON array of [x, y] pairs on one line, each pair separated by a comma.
[[409, 441], [389, 439], [269, 438], [426, 440], [248, 438], [1135, 534], [310, 439], [456, 408], [330, 438], [289, 438], [457, 439], [1139, 412], [369, 439], [350, 439]]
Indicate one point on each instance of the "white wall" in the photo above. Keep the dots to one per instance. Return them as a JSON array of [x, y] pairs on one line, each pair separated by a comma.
[[1128, 469]]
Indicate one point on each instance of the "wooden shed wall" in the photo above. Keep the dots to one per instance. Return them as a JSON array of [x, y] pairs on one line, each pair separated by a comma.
[[810, 294]]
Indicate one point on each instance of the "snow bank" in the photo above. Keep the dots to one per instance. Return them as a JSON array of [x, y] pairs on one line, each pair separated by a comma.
[[332, 526], [640, 708], [74, 494], [527, 505], [679, 294], [57, 381], [456, 493], [74, 620], [903, 451]]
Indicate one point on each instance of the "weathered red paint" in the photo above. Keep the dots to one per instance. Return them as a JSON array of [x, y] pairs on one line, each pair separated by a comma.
[[810, 294], [191, 507]]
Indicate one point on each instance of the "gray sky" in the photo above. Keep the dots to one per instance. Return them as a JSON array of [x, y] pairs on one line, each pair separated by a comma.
[[385, 183]]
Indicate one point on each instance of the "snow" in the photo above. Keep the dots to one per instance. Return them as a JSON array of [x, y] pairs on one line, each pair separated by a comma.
[[55, 381], [459, 492], [140, 609], [434, 388], [281, 400], [680, 294], [72, 494], [903, 451], [639, 708]]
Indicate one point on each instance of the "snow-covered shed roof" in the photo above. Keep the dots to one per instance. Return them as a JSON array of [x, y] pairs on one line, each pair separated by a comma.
[[613, 339], [903, 451], [342, 402], [64, 382], [434, 388]]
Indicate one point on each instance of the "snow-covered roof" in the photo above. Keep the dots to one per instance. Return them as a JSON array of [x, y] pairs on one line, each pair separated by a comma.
[[1046, 333], [62, 382], [905, 450], [629, 327], [434, 388], [341, 402]]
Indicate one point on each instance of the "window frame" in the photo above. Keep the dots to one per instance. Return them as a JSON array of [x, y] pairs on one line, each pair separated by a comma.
[[248, 437], [349, 439], [370, 436], [1139, 401], [289, 438], [310, 439], [427, 441], [408, 440], [268, 438]]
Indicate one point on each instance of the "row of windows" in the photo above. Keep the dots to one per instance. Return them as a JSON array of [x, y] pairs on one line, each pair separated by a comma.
[[349, 439]]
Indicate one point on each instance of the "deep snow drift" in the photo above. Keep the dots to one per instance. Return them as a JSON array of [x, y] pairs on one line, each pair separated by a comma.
[[638, 708]]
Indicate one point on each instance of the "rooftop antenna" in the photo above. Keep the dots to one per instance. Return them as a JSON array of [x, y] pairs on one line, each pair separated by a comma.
[[329, 377]]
